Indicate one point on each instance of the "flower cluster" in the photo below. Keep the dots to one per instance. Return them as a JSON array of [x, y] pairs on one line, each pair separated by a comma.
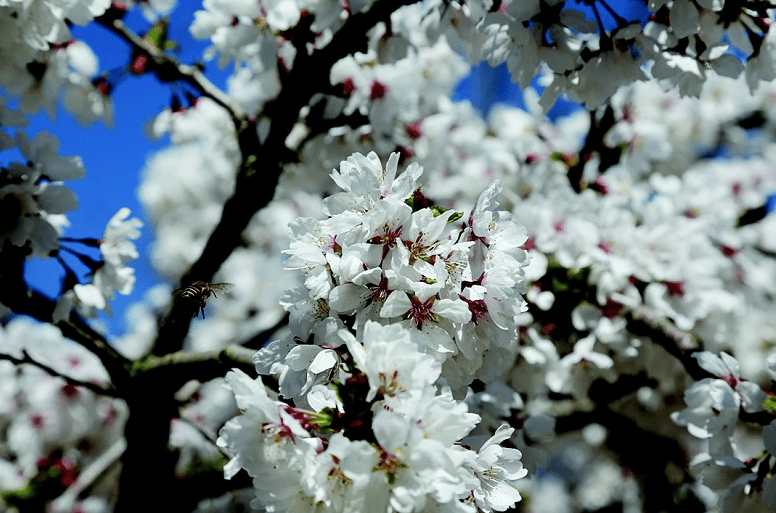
[[418, 327], [711, 415], [386, 254], [33, 199], [57, 433], [404, 304], [111, 273]]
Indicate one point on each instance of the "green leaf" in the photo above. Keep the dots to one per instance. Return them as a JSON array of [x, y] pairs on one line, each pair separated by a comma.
[[770, 404]]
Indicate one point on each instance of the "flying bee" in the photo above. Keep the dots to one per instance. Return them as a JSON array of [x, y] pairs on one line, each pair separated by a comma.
[[199, 292]]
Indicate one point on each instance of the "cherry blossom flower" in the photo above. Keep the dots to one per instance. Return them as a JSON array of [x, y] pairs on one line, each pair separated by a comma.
[[391, 360], [113, 275], [713, 404], [33, 196], [497, 469]]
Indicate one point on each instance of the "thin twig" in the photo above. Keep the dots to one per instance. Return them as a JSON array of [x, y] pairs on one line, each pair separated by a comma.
[[22, 300], [90, 474], [169, 69]]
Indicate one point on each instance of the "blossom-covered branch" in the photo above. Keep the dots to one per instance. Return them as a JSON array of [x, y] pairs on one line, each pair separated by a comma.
[[108, 390], [263, 160], [41, 308], [486, 306]]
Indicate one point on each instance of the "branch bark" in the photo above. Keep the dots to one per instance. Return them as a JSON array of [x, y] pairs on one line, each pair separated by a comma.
[[150, 399], [15, 294], [169, 69], [108, 390], [263, 162]]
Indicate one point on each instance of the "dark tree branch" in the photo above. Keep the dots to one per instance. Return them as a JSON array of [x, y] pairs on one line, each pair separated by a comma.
[[752, 215], [176, 369], [108, 390], [15, 294], [263, 162], [168, 69], [594, 143], [152, 407], [662, 332], [322, 125], [602, 392]]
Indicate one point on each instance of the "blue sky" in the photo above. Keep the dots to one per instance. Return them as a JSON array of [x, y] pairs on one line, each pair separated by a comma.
[[115, 156]]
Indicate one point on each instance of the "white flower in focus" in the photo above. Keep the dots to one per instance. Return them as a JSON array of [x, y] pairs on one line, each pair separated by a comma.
[[342, 474], [414, 466], [366, 182], [310, 317], [316, 247], [319, 364], [424, 311], [727, 369], [117, 250], [497, 469], [426, 244], [390, 360], [495, 228], [262, 416]]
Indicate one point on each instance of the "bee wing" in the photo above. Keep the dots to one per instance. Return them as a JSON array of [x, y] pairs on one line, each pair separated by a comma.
[[222, 287]]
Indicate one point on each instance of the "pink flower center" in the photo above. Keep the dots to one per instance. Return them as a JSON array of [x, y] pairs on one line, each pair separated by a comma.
[[420, 311], [378, 91]]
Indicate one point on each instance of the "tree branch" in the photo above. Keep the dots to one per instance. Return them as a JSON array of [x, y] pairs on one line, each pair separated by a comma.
[[15, 294], [168, 69], [109, 390], [263, 163], [594, 143], [176, 369], [678, 343]]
